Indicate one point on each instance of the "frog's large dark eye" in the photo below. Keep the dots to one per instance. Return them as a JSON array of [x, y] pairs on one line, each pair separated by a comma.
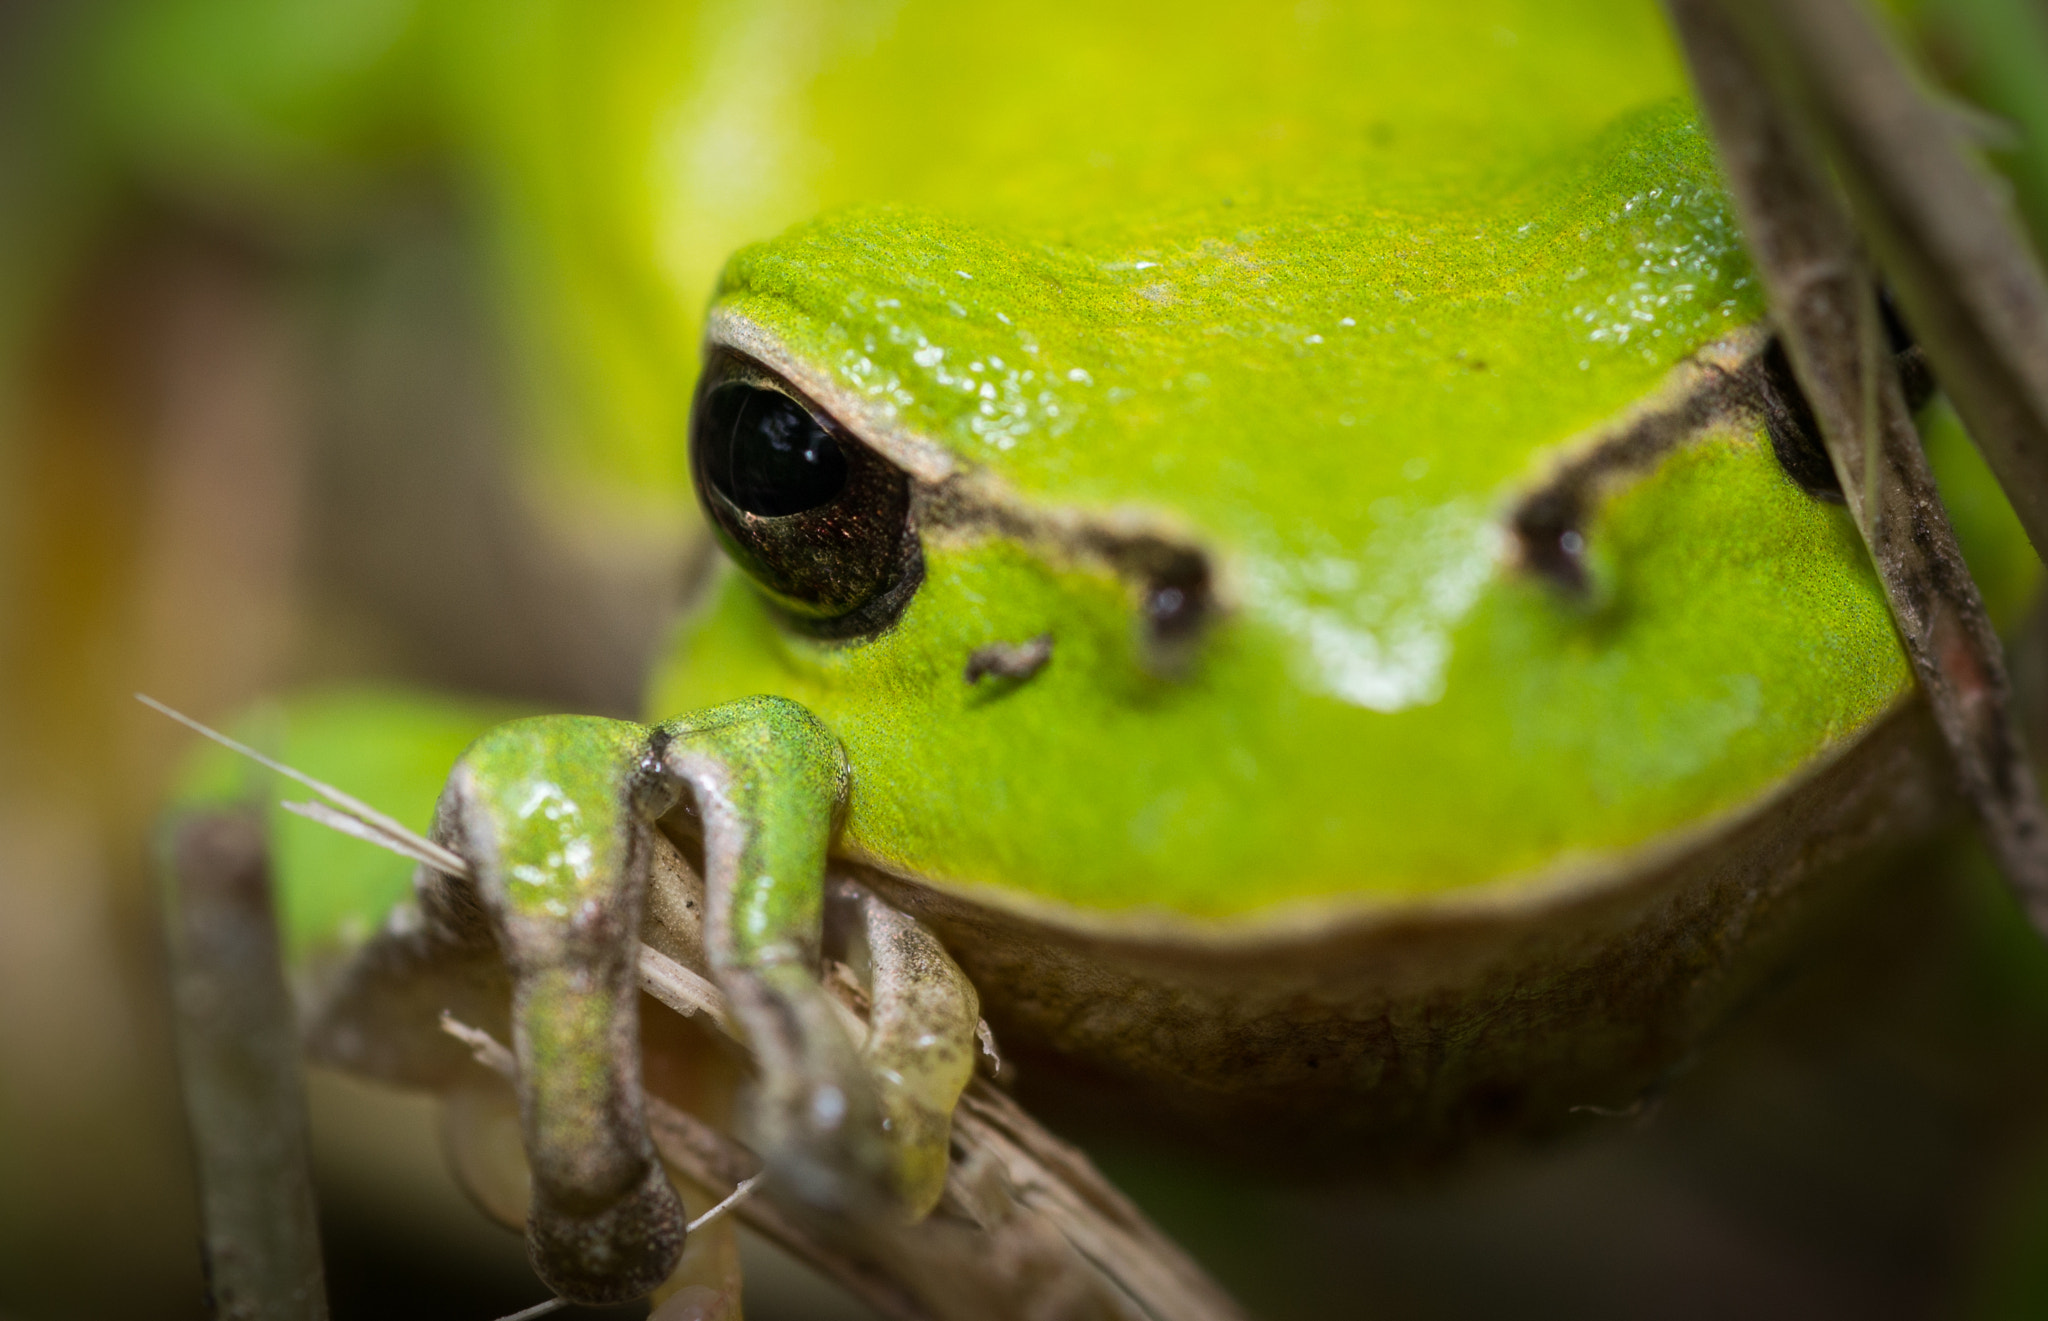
[[766, 454], [817, 519], [1795, 433]]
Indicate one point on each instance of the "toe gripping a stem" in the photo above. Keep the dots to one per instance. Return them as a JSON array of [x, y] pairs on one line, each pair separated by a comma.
[[862, 1126], [556, 818], [770, 783]]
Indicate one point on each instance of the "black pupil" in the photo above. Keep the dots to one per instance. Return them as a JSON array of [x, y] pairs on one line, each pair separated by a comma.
[[767, 454]]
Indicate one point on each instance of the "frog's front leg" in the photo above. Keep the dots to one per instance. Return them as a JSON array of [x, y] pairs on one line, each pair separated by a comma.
[[555, 817], [839, 1125]]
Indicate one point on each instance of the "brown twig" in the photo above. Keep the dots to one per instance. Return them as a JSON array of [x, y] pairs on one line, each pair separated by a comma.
[[1823, 298], [1942, 229], [1058, 1182], [708, 1157], [238, 1062]]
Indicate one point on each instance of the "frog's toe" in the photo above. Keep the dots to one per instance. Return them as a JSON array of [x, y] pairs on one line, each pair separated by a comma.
[[613, 1253], [922, 1020], [863, 1127], [840, 1124], [814, 1116]]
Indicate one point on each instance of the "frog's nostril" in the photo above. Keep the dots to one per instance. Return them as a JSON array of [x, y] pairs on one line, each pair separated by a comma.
[[1177, 600], [1016, 661]]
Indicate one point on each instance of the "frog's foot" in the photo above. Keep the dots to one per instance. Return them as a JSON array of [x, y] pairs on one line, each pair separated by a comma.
[[923, 1016], [554, 816], [841, 1126]]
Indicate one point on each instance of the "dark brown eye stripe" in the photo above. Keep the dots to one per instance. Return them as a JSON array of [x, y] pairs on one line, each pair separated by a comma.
[[1549, 523]]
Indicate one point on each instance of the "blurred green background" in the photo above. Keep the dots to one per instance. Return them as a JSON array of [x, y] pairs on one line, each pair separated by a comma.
[[239, 458]]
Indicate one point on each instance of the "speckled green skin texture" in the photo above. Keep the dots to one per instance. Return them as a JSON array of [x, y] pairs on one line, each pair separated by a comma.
[[555, 791], [1321, 291], [775, 778]]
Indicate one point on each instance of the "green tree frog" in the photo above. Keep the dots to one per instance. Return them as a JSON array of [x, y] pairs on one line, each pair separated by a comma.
[[1268, 552]]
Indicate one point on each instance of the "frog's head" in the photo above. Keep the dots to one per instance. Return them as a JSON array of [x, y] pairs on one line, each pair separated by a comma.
[[1384, 539]]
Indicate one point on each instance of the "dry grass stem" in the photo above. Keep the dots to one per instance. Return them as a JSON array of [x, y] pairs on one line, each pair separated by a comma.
[[1941, 227], [238, 1064]]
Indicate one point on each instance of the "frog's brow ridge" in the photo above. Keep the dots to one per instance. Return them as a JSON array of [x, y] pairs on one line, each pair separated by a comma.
[[1723, 383], [874, 421]]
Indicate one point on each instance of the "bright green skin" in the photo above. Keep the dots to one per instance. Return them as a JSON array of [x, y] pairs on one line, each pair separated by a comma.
[[1322, 293]]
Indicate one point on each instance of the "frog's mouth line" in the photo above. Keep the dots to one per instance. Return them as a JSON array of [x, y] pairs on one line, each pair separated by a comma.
[[1171, 574]]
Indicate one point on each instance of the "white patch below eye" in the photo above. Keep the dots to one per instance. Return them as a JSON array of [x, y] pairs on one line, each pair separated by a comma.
[[1375, 622]]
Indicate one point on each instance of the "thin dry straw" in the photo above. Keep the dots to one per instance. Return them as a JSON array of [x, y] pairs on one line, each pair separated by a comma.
[[367, 822]]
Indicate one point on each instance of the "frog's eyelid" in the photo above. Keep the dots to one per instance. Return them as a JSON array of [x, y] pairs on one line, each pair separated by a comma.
[[872, 421]]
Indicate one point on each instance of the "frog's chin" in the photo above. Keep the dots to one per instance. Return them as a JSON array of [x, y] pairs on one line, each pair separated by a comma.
[[1888, 781], [1422, 1021]]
